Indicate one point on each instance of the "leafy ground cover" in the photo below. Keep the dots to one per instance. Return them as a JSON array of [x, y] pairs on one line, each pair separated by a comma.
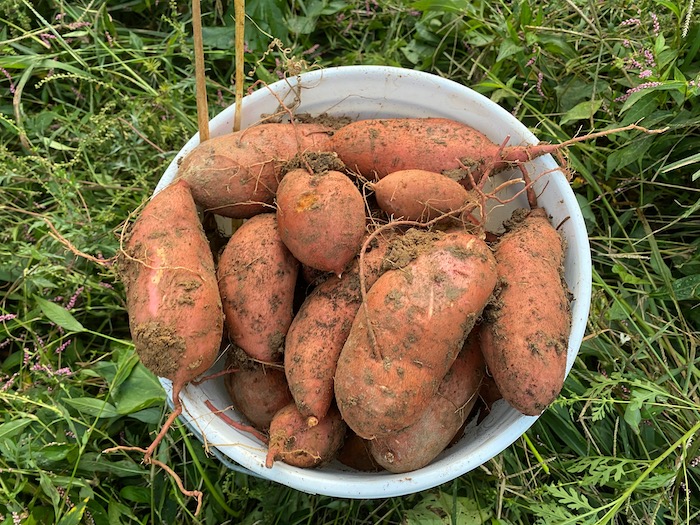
[[98, 96]]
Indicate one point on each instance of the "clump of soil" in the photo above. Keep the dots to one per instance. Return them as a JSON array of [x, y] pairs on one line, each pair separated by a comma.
[[319, 162], [405, 248]]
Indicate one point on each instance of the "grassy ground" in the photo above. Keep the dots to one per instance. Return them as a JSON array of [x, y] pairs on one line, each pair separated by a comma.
[[97, 97]]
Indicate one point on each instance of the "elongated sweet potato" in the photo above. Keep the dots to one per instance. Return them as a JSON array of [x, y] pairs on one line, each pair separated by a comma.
[[321, 218], [377, 147], [237, 174], [419, 316], [175, 313], [257, 277], [525, 332], [418, 444], [296, 443], [419, 195], [319, 330], [257, 391]]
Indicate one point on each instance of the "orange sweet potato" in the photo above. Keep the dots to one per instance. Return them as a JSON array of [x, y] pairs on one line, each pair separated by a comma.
[[319, 330], [257, 391], [525, 332], [419, 195], [237, 174], [377, 147], [296, 443], [257, 278], [417, 445], [355, 453], [175, 313], [321, 218], [419, 316]]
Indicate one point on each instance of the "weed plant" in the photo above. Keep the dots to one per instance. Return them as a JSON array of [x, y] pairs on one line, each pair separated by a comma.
[[96, 97]]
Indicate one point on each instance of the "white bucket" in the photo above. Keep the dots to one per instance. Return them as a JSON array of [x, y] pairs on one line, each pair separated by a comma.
[[361, 92]]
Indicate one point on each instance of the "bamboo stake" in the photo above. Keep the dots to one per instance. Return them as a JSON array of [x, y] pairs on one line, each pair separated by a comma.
[[199, 73], [239, 10]]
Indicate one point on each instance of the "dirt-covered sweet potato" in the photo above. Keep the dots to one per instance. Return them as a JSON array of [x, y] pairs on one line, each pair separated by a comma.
[[419, 195], [525, 332], [172, 298], [418, 444], [321, 218], [406, 336], [257, 391], [237, 174], [257, 277], [319, 330], [377, 147], [295, 443]]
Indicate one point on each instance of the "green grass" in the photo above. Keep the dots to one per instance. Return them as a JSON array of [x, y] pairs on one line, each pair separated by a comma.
[[96, 99]]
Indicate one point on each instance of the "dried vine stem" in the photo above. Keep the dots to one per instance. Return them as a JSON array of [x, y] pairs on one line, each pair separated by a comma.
[[239, 10], [199, 74]]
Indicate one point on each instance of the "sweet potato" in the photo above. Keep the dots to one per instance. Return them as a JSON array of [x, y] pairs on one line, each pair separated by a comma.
[[419, 195], [417, 445], [319, 330], [172, 298], [355, 453], [237, 174], [377, 147], [257, 277], [419, 316], [321, 218], [257, 391], [296, 443], [525, 332]]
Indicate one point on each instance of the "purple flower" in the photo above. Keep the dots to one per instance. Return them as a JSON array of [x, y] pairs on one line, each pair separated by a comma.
[[656, 27], [540, 77], [12, 84], [74, 298], [649, 58], [630, 22], [63, 346], [7, 317], [645, 74], [636, 89]]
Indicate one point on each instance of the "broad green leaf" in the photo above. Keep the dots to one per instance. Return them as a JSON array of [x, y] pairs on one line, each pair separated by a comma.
[[693, 159], [440, 508], [627, 277], [138, 391], [454, 6], [136, 494], [687, 288], [508, 48], [584, 110], [59, 315], [75, 515], [47, 485], [92, 407], [219, 37], [13, 428]]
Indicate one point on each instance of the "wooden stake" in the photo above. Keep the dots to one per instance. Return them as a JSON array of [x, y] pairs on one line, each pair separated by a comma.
[[239, 9], [199, 73]]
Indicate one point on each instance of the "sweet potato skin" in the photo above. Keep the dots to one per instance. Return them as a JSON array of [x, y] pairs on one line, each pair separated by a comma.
[[175, 313], [321, 218], [319, 330], [525, 332], [258, 392], [296, 443], [257, 277], [377, 147], [420, 317], [419, 195], [418, 444], [237, 174]]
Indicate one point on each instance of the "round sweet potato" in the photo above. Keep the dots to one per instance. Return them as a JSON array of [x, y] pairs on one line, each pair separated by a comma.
[[525, 332], [321, 218], [257, 278], [419, 316], [296, 443], [237, 174], [419, 195]]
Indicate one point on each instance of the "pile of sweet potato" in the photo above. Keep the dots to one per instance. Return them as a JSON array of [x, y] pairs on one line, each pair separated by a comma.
[[364, 311]]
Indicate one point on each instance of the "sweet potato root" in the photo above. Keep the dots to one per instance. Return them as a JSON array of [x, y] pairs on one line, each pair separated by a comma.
[[409, 331], [525, 332], [377, 147], [419, 195], [296, 443], [175, 313], [417, 445], [319, 330], [257, 391], [237, 174], [321, 218], [257, 277]]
